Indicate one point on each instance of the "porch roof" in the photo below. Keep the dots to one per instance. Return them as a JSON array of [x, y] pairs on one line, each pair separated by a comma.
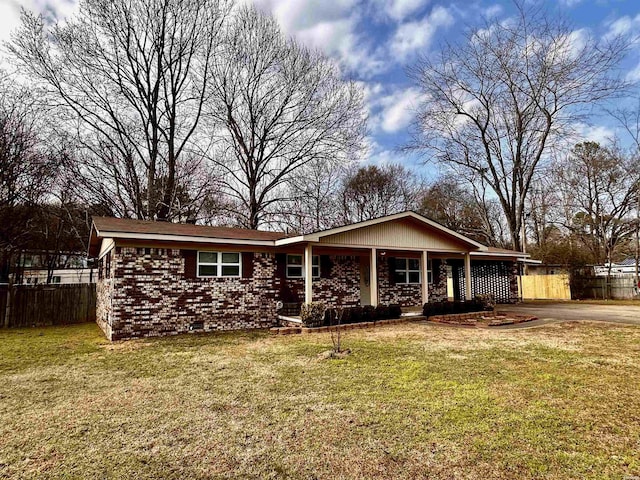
[[367, 232]]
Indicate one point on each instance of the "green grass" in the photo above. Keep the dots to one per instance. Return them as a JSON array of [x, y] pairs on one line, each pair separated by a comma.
[[411, 401]]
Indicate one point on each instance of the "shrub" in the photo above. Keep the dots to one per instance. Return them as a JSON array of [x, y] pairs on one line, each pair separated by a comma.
[[312, 314], [447, 308], [382, 312], [487, 300], [368, 313], [394, 310], [356, 315]]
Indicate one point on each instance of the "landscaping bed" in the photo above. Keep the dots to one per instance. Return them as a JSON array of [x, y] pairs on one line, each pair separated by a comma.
[[482, 319]]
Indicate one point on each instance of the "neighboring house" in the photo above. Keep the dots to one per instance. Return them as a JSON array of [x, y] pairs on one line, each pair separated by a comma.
[[59, 275], [626, 267], [158, 278], [41, 266]]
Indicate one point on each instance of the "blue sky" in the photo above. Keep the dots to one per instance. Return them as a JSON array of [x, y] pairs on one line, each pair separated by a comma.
[[376, 40]]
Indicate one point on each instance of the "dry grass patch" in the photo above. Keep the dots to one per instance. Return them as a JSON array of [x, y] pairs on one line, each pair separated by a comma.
[[411, 401]]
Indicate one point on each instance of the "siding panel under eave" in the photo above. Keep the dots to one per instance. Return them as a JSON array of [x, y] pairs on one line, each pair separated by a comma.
[[398, 234]]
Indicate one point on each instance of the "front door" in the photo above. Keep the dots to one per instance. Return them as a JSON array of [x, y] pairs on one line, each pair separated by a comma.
[[365, 278]]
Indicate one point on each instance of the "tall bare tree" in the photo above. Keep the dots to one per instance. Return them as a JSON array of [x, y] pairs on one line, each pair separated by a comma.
[[131, 78], [26, 169], [276, 106], [498, 101], [600, 188]]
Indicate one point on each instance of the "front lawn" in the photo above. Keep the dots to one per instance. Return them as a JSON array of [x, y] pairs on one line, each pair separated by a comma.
[[411, 401]]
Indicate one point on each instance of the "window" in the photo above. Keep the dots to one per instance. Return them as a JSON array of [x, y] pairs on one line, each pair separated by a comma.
[[218, 264], [407, 270], [295, 266]]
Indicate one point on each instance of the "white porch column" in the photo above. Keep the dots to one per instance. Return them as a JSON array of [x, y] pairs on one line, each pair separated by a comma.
[[373, 276], [308, 273], [425, 277], [467, 276]]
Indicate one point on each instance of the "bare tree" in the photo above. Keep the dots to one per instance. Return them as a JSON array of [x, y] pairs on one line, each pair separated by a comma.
[[498, 101], [600, 188], [449, 202], [313, 197], [26, 170], [371, 192], [276, 107], [130, 77]]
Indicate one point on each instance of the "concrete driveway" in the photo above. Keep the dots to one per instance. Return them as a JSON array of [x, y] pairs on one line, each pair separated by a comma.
[[547, 312]]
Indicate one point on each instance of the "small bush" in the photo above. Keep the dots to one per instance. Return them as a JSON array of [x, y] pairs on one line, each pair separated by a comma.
[[382, 312], [448, 308], [488, 301], [394, 310], [312, 314], [368, 313], [356, 315]]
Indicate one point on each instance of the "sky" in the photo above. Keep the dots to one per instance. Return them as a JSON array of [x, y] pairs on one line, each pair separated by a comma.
[[377, 41]]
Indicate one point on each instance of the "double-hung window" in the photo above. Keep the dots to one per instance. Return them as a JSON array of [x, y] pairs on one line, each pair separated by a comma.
[[407, 270], [219, 264], [295, 266]]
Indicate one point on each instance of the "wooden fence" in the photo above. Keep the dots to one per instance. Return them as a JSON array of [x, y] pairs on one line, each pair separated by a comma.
[[38, 305], [551, 287], [618, 288]]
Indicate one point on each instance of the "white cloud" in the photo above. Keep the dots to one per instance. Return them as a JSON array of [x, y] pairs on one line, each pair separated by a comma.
[[570, 3], [623, 26], [414, 36], [339, 40], [399, 10], [398, 109], [492, 11], [634, 74], [299, 15], [391, 110], [330, 26]]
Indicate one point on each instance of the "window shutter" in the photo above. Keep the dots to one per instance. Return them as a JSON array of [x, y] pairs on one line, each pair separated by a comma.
[[190, 263], [281, 265], [325, 266], [392, 270], [247, 264]]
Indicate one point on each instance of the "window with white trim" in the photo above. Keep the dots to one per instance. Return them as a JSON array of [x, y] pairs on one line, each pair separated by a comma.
[[407, 270], [295, 266], [219, 264]]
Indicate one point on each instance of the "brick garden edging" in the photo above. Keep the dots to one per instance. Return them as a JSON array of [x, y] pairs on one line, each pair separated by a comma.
[[346, 326], [481, 319]]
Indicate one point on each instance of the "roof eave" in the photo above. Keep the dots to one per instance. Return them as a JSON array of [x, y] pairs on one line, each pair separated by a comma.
[[185, 238]]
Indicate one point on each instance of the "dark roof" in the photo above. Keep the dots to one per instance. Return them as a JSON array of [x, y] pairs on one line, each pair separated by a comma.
[[629, 261], [503, 250], [123, 225]]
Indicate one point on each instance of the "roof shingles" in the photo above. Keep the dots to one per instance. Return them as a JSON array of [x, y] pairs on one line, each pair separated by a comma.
[[123, 225]]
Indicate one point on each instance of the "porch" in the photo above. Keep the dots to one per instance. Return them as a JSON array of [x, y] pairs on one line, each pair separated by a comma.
[[403, 259]]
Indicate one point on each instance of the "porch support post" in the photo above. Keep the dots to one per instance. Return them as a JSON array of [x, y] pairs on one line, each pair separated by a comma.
[[308, 275], [467, 276], [425, 277], [373, 276]]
